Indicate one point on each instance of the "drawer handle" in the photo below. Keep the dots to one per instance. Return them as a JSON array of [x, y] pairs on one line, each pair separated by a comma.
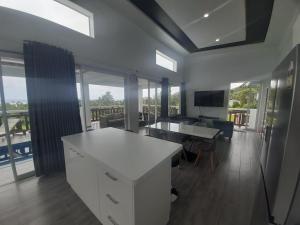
[[79, 155], [110, 176], [112, 199], [112, 220]]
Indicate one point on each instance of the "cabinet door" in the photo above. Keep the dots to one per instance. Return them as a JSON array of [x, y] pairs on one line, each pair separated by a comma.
[[89, 184], [82, 176], [70, 162]]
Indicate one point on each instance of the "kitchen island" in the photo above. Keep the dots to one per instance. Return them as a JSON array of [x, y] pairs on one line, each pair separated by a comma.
[[124, 178]]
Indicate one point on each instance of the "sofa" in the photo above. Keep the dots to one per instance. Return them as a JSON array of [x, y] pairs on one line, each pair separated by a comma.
[[213, 122]]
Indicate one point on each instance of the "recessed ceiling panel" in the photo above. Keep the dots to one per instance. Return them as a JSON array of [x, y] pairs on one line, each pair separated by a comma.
[[225, 21], [201, 25]]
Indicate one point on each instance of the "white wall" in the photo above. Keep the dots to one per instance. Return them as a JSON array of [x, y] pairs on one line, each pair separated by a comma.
[[290, 36], [118, 43], [215, 70]]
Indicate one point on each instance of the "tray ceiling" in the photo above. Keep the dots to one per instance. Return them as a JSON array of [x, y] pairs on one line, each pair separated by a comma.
[[199, 25]]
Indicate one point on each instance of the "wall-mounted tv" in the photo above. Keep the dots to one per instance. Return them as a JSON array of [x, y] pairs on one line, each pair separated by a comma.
[[209, 98]]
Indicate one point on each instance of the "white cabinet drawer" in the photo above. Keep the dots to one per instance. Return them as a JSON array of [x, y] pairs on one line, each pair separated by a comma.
[[108, 219], [116, 199], [118, 210], [115, 186]]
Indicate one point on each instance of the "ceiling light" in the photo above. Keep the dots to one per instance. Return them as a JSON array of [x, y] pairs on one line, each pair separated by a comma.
[[206, 15], [218, 39]]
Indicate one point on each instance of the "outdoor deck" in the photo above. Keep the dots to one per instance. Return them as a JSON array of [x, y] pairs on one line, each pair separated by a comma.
[[23, 157], [7, 176]]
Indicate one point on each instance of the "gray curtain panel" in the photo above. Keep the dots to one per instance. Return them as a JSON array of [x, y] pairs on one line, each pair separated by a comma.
[[52, 101], [164, 98]]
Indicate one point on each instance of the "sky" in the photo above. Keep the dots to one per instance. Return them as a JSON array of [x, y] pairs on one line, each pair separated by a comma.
[[235, 85], [15, 90], [96, 91]]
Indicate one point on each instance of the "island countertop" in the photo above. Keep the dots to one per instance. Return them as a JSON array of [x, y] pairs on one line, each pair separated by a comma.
[[129, 154]]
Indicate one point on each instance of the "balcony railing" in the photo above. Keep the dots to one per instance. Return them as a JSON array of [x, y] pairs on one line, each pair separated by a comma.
[[240, 117], [22, 124], [96, 113], [245, 118], [19, 130]]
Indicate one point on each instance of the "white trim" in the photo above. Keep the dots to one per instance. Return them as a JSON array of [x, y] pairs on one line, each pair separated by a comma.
[[64, 9], [83, 11]]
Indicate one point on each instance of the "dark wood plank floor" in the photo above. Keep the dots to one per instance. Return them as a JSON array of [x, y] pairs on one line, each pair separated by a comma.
[[224, 197]]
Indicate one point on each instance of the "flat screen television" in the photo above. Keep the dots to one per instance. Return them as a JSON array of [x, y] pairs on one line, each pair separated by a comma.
[[209, 98]]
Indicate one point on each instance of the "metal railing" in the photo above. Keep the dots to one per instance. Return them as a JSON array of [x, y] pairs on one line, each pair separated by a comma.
[[22, 126], [240, 117], [96, 113]]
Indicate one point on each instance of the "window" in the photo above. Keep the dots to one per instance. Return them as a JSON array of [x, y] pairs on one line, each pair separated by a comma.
[[165, 61], [174, 100], [149, 101], [104, 100], [62, 12]]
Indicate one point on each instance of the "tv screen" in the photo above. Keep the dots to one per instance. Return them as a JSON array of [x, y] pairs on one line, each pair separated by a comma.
[[209, 98]]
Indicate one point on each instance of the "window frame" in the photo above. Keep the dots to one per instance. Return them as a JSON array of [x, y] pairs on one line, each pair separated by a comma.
[[82, 11], [66, 5], [171, 60]]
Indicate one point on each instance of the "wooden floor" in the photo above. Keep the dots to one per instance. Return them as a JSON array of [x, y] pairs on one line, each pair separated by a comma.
[[224, 197]]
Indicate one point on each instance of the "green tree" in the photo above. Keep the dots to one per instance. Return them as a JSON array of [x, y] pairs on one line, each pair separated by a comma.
[[236, 105], [106, 100], [175, 99], [246, 95]]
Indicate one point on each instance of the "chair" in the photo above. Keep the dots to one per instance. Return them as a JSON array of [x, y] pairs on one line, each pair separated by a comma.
[[210, 147]]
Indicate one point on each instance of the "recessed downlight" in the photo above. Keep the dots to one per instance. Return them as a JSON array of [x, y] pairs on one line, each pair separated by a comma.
[[218, 39], [206, 15]]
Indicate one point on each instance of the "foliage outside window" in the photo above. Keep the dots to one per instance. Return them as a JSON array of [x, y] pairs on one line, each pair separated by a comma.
[[244, 96], [174, 100], [106, 100]]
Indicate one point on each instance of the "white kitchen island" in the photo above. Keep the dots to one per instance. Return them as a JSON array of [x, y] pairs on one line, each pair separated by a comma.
[[124, 178]]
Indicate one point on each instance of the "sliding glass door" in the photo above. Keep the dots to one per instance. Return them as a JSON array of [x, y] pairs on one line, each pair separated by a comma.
[[6, 169], [244, 100], [149, 101], [16, 150], [174, 101], [103, 100]]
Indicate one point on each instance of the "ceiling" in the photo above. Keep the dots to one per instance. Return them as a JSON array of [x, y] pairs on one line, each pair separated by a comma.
[[97, 78], [228, 23], [226, 20]]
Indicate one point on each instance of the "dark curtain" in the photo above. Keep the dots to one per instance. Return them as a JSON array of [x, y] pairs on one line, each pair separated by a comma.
[[164, 97], [52, 102], [183, 100]]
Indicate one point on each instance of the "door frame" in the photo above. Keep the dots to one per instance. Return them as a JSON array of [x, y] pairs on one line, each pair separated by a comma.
[[16, 176]]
